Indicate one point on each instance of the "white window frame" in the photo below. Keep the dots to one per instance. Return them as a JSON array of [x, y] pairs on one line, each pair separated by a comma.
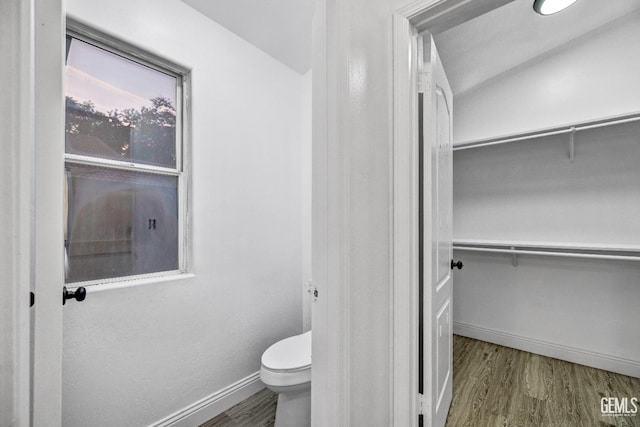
[[183, 158]]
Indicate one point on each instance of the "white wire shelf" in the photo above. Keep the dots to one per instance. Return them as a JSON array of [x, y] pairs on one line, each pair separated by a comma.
[[566, 250], [569, 129]]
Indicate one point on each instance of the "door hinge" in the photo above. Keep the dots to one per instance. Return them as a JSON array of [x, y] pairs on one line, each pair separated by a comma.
[[423, 81], [421, 404]]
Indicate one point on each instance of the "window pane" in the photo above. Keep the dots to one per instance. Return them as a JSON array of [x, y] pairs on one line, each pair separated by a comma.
[[120, 223], [117, 108]]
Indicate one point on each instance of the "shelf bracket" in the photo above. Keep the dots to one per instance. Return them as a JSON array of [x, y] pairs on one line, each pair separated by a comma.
[[572, 150], [514, 257]]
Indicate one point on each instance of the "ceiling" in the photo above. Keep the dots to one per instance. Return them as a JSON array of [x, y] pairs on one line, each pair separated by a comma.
[[473, 52], [281, 28], [504, 38]]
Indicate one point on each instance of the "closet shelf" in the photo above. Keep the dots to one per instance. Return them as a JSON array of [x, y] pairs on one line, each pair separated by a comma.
[[570, 129], [567, 250]]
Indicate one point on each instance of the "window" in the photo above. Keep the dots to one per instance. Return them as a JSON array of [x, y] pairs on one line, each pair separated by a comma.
[[123, 165]]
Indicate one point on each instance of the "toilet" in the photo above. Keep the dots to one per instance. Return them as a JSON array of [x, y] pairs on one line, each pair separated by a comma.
[[286, 370]]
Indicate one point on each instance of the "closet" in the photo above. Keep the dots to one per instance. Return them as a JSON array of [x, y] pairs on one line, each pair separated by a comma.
[[546, 201]]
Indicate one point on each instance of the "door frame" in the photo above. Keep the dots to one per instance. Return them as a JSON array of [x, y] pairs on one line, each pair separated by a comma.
[[32, 185], [16, 132], [408, 22]]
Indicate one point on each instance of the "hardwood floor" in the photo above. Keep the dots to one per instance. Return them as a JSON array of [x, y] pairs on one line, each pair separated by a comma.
[[258, 410], [497, 386], [500, 386]]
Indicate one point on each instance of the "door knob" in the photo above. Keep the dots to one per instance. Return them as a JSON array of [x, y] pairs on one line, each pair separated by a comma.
[[79, 294], [456, 264]]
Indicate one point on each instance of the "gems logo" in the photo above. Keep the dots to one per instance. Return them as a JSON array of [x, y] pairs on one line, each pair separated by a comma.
[[623, 407]]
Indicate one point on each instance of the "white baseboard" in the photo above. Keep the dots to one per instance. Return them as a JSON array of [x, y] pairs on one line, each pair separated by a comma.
[[557, 351], [214, 404]]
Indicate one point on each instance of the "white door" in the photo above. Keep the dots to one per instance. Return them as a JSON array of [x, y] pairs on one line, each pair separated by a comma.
[[48, 232], [16, 129], [437, 191], [31, 182]]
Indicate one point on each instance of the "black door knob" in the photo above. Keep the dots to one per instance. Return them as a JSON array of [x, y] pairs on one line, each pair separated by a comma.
[[79, 294], [456, 264]]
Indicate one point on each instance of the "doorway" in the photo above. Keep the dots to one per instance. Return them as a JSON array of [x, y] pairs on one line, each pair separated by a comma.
[[605, 247]]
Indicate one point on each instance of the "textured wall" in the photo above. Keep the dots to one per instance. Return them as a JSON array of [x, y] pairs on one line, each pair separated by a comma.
[[135, 355]]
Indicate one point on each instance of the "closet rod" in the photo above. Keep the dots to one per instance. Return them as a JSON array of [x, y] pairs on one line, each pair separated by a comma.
[[548, 253], [593, 124]]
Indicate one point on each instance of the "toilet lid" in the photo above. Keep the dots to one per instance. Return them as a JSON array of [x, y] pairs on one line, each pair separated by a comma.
[[293, 353]]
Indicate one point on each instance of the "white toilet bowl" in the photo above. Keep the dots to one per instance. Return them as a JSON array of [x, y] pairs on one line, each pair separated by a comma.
[[286, 370]]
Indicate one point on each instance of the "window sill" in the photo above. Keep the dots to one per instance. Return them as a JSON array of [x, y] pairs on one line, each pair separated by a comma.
[[135, 282]]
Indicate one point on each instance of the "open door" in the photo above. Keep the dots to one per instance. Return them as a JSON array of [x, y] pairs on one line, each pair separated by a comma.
[[436, 235], [16, 129], [32, 124], [48, 223]]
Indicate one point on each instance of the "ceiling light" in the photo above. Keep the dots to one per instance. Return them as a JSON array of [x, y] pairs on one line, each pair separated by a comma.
[[549, 7]]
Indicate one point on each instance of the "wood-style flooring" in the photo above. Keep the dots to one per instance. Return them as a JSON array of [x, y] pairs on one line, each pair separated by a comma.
[[258, 410], [497, 386], [500, 386]]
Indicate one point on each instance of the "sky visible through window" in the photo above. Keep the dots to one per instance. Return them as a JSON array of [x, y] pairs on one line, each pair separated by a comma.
[[112, 82], [117, 108]]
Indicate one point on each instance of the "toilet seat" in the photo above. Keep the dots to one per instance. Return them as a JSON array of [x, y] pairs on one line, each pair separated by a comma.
[[287, 362]]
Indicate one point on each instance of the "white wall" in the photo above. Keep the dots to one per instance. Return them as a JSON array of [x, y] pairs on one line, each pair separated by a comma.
[[135, 355], [306, 201], [530, 190], [585, 311], [593, 76], [352, 194], [582, 310]]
